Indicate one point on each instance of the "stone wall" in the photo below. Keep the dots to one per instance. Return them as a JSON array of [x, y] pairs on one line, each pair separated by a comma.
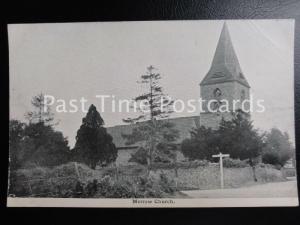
[[124, 155], [208, 177], [207, 92], [212, 120]]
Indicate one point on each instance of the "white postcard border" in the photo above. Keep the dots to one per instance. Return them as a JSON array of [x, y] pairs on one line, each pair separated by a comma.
[[151, 202]]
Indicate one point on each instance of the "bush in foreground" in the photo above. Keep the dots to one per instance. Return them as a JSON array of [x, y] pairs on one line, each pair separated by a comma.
[[278, 148], [79, 181], [142, 187], [234, 163]]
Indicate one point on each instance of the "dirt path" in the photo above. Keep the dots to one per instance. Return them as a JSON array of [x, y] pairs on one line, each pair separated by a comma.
[[269, 190]]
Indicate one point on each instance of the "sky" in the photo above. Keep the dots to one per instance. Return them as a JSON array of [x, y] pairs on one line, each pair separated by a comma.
[[75, 60]]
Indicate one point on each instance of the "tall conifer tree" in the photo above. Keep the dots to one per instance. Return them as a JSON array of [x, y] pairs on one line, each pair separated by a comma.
[[93, 144], [156, 136]]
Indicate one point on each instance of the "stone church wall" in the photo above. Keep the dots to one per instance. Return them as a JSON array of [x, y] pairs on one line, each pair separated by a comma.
[[239, 88], [207, 92], [230, 91], [124, 155], [212, 120]]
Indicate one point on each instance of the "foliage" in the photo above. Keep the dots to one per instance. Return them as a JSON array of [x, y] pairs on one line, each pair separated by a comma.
[[36, 144], [41, 113], [67, 181], [236, 137], [239, 138], [155, 136], [165, 154], [278, 149], [83, 182], [178, 165], [271, 158], [143, 187], [166, 184], [202, 144], [58, 181], [44, 146], [16, 134], [93, 143], [140, 156], [234, 163], [157, 104], [193, 164]]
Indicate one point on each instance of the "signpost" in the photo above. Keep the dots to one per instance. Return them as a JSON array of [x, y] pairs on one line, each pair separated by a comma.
[[221, 156]]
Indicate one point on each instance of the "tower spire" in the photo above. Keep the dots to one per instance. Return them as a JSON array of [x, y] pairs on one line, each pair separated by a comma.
[[225, 65]]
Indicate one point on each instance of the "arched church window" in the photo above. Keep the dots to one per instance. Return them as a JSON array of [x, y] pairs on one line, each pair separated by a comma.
[[217, 96], [217, 93]]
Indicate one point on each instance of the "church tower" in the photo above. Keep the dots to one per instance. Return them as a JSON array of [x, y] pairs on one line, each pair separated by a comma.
[[224, 81]]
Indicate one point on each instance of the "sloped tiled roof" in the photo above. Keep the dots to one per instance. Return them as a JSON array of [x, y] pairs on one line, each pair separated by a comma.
[[225, 65], [183, 124]]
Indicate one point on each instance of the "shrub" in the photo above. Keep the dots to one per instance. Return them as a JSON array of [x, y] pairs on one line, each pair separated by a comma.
[[166, 184], [276, 158], [36, 144], [188, 164], [108, 188], [289, 172], [278, 148], [143, 187], [140, 156], [41, 181], [148, 187], [271, 158], [79, 181], [269, 174], [234, 163]]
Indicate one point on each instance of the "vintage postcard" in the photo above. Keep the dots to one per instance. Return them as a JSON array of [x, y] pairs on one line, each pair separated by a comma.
[[152, 114]]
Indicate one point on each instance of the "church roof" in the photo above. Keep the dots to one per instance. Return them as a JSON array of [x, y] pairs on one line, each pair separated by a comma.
[[225, 65], [183, 124]]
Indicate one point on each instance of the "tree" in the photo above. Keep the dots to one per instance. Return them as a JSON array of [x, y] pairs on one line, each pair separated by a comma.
[[202, 144], [93, 143], [153, 134], [164, 138], [236, 137], [37, 143], [41, 113], [140, 156], [16, 135], [278, 149], [43, 146], [239, 138]]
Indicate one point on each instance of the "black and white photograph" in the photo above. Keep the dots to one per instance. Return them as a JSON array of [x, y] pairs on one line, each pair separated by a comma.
[[186, 113]]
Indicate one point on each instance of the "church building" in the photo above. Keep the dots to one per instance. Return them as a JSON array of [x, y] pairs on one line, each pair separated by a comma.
[[224, 81]]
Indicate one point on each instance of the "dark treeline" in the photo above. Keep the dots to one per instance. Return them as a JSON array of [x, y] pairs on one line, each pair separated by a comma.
[[37, 143], [241, 140]]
